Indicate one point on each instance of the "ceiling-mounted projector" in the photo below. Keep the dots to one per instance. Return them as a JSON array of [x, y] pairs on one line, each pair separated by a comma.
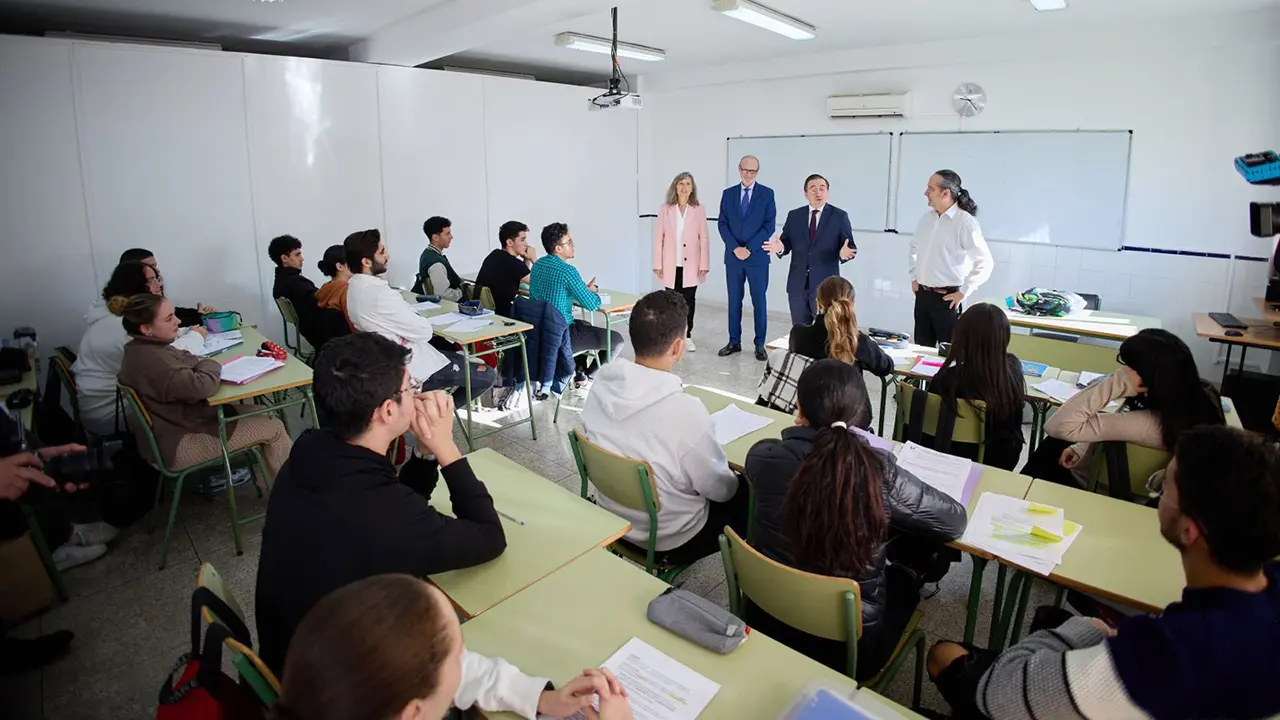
[[612, 101]]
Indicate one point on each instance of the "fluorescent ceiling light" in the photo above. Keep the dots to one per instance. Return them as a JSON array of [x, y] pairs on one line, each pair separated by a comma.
[[574, 41], [1043, 5], [766, 18]]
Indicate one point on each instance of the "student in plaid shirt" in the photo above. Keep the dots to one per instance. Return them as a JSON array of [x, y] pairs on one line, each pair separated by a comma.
[[553, 280]]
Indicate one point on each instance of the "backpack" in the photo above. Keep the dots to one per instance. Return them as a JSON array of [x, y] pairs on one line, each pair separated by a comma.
[[1043, 302], [196, 688]]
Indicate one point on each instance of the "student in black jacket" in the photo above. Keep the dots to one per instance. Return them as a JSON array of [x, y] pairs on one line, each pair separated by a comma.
[[316, 324], [338, 512], [980, 367], [835, 334], [828, 503]]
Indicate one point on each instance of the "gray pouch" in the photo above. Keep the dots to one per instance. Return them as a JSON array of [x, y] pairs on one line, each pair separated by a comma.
[[698, 620]]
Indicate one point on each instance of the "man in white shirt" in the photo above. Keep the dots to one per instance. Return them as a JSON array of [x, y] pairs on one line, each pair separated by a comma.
[[433, 265], [374, 306], [640, 410], [949, 258]]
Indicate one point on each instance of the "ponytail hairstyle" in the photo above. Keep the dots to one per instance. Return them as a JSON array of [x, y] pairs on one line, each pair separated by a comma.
[[334, 255], [836, 303], [140, 310], [834, 512], [949, 180], [128, 279]]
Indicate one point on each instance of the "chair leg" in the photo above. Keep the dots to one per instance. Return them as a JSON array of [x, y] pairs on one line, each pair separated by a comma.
[[46, 556], [173, 516], [917, 684], [155, 506], [555, 417]]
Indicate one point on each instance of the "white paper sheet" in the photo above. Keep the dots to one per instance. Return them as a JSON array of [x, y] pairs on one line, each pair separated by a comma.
[[446, 318], [217, 342], [946, 473], [1057, 389], [469, 325], [243, 369], [901, 353], [1086, 378], [927, 366], [733, 422], [424, 305], [658, 687], [1002, 525], [605, 298]]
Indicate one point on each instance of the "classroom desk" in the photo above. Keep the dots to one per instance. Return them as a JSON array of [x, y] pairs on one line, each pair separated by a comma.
[[503, 334], [558, 527], [736, 451], [1086, 323], [584, 612], [29, 381], [1269, 311], [1260, 334], [294, 375]]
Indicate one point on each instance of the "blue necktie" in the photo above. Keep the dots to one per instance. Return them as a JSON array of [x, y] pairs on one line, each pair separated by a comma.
[[746, 200]]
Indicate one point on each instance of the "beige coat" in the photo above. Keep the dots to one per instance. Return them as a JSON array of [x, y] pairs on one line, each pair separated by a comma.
[[173, 385], [695, 245]]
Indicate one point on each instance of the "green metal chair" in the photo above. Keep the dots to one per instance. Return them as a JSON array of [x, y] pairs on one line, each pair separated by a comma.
[[969, 424], [486, 299], [1136, 462], [295, 344], [251, 668], [178, 475], [67, 379], [45, 553], [628, 483], [828, 607]]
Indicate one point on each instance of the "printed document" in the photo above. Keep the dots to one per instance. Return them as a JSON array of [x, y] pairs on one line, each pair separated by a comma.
[[217, 342], [470, 325], [1028, 534], [733, 422], [658, 687], [1057, 389], [946, 473], [248, 368], [446, 318]]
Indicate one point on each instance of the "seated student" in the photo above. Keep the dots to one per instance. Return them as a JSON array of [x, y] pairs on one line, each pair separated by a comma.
[[373, 306], [640, 410], [338, 511], [1163, 397], [390, 646], [828, 503], [316, 324], [980, 367], [1214, 654], [173, 385], [554, 280], [101, 349], [187, 316], [333, 294], [835, 334], [507, 267], [433, 265]]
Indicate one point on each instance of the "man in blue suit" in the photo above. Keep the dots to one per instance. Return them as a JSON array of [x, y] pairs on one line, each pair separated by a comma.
[[819, 238], [747, 219]]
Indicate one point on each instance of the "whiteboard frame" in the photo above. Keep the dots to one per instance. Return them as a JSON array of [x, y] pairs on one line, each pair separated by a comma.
[[1124, 202], [889, 197]]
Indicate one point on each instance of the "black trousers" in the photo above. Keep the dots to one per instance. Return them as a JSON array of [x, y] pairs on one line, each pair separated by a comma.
[[733, 513], [690, 295], [1044, 463], [585, 336], [935, 318]]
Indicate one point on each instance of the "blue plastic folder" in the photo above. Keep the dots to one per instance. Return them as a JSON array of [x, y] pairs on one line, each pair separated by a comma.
[[825, 705], [1034, 369]]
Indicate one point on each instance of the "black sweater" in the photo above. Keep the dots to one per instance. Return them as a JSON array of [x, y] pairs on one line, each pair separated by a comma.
[[1004, 434], [338, 514], [811, 341], [316, 324]]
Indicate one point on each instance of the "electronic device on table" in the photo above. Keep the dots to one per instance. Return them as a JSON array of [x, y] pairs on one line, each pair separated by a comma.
[[1261, 168], [889, 338], [1227, 320]]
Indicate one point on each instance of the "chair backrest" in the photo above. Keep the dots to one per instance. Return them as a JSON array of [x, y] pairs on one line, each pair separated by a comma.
[[287, 310], [486, 299], [1135, 461], [625, 481], [209, 578], [290, 315], [134, 406], [931, 413], [829, 607], [254, 672], [62, 370], [1070, 356]]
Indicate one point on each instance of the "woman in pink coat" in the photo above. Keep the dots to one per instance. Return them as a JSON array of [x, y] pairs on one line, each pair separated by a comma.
[[680, 247]]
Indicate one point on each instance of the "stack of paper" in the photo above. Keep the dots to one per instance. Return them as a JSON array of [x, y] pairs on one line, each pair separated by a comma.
[[1027, 534], [470, 325], [446, 318], [424, 305], [217, 342], [1088, 378], [248, 368], [658, 687], [733, 422], [1057, 389], [945, 473], [927, 366]]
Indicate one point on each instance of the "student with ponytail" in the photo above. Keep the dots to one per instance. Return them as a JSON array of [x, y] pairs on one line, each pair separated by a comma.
[[835, 334], [826, 502], [949, 258]]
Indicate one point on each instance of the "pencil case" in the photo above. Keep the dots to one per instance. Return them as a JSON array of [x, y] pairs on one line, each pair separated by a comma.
[[698, 620], [218, 322]]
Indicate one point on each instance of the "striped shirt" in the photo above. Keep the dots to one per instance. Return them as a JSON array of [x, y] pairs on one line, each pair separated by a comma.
[[555, 281]]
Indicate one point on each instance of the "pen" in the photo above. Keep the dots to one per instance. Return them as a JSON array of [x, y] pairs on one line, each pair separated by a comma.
[[518, 522]]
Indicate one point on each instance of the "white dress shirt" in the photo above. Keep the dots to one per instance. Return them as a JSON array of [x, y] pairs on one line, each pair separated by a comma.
[[680, 236], [373, 306], [948, 250], [815, 220]]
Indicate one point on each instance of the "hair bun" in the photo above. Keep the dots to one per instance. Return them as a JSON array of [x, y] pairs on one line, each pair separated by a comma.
[[117, 304]]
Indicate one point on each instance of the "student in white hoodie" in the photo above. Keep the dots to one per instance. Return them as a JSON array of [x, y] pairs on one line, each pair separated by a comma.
[[102, 347], [639, 410]]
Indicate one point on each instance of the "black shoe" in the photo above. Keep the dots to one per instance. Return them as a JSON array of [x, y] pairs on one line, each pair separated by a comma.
[[19, 655], [761, 355], [729, 349]]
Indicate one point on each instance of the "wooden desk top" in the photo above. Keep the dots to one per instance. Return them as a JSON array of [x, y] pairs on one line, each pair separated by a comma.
[[584, 612], [736, 451], [1091, 323], [618, 301], [558, 527], [1119, 554], [500, 327], [295, 373], [1260, 333], [1264, 309]]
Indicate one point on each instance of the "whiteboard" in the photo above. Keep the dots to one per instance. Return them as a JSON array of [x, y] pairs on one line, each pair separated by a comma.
[[1051, 188], [856, 166]]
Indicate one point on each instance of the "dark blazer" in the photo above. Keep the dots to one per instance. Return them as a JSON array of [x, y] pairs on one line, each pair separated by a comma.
[[1004, 434], [751, 231], [338, 513], [913, 507], [818, 260]]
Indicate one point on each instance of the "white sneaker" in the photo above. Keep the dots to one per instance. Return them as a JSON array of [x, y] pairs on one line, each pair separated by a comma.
[[98, 533], [68, 556], [688, 345]]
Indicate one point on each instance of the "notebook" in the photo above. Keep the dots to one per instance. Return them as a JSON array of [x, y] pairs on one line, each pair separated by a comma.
[[248, 368], [1034, 369]]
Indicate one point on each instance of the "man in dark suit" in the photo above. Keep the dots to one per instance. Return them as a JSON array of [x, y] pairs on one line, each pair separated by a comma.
[[819, 238], [747, 219]]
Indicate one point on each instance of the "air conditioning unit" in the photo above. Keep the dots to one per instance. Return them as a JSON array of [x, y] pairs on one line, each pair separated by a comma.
[[869, 106]]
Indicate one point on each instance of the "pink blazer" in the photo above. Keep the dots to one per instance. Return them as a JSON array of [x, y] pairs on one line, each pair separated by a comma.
[[696, 244]]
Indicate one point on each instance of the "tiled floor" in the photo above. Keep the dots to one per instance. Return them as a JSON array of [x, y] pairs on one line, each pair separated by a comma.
[[131, 620]]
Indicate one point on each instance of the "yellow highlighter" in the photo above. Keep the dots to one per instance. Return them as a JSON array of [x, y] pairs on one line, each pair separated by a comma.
[[1043, 509]]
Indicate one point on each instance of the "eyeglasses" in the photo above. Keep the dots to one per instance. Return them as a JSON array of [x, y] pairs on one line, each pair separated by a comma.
[[565, 242], [1120, 360], [748, 172], [412, 389]]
